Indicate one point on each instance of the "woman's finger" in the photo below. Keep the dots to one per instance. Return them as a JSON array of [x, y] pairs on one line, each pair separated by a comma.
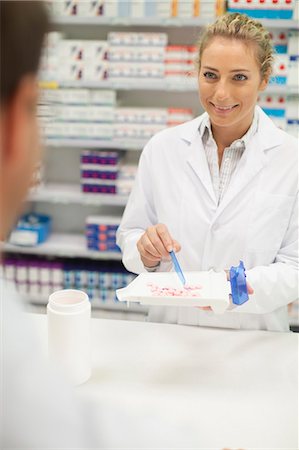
[[149, 247], [153, 233]]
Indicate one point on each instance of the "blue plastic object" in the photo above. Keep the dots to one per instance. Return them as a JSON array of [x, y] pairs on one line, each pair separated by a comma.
[[36, 227], [177, 268], [238, 284]]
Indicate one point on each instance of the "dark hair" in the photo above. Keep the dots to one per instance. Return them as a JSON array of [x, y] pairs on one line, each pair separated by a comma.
[[23, 27]]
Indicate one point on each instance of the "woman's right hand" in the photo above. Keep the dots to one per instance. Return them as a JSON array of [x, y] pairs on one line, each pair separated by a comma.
[[155, 245]]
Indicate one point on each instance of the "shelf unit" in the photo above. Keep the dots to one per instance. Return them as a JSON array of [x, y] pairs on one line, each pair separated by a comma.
[[189, 85], [71, 193], [160, 22], [63, 245], [113, 144]]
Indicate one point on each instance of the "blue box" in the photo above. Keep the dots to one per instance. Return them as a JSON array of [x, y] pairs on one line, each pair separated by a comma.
[[31, 230]]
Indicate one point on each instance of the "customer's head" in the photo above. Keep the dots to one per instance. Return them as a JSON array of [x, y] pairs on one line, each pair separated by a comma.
[[23, 27], [235, 58]]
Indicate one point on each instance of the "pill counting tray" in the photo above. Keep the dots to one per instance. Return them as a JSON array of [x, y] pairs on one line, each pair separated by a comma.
[[214, 291]]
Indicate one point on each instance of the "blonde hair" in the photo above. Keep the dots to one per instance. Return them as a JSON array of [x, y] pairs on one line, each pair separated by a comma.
[[241, 27]]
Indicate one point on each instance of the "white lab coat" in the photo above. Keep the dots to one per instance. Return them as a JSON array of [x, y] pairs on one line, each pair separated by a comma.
[[256, 221]]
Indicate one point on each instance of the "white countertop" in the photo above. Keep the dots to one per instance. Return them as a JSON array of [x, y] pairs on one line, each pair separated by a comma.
[[170, 386]]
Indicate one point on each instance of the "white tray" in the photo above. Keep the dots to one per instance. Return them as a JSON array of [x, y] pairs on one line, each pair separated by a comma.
[[214, 292]]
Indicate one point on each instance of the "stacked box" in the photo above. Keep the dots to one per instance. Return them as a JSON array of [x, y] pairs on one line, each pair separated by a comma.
[[136, 55], [176, 116], [292, 112], [32, 229], [120, 54], [34, 277], [165, 9], [179, 61], [37, 278], [126, 178], [80, 114], [78, 97], [292, 116], [50, 62], [264, 9], [293, 53], [69, 130], [187, 9], [280, 70], [274, 105], [82, 60], [66, 60], [279, 40], [99, 171], [143, 123], [101, 233]]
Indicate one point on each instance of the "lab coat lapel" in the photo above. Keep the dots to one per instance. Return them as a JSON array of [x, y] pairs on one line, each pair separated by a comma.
[[250, 165], [253, 160], [197, 162]]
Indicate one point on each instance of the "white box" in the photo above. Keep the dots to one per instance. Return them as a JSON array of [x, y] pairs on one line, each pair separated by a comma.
[[137, 131], [110, 8], [138, 9], [102, 97], [136, 70], [89, 8], [103, 220], [164, 9], [141, 39], [292, 109], [84, 113], [136, 54], [178, 115], [79, 131], [70, 50], [71, 71], [293, 43], [70, 96], [141, 115], [95, 71], [95, 50]]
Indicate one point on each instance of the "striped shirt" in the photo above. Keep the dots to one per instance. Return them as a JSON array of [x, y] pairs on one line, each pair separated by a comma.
[[231, 155]]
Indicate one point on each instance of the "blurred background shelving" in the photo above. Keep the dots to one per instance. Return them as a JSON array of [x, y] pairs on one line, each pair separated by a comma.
[[84, 66]]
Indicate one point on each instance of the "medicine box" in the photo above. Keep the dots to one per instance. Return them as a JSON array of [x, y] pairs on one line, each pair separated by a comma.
[[32, 229]]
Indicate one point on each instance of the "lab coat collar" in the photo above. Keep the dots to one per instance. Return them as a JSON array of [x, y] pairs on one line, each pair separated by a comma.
[[269, 135], [205, 127], [197, 159]]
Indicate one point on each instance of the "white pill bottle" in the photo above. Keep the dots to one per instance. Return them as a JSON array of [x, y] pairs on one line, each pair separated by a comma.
[[69, 334]]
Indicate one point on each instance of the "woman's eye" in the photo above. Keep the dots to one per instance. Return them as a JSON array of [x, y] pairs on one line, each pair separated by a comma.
[[209, 75], [240, 77]]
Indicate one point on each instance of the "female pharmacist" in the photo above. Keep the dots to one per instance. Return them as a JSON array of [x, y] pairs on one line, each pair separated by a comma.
[[222, 187]]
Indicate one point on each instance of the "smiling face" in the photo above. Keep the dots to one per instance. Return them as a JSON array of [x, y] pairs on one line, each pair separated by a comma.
[[229, 83]]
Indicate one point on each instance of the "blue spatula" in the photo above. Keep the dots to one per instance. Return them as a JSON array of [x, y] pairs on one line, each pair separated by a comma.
[[177, 268]]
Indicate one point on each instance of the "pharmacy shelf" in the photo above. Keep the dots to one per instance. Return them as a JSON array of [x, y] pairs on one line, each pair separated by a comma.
[[63, 245], [188, 85], [283, 89], [164, 22], [133, 22], [71, 193], [134, 144]]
